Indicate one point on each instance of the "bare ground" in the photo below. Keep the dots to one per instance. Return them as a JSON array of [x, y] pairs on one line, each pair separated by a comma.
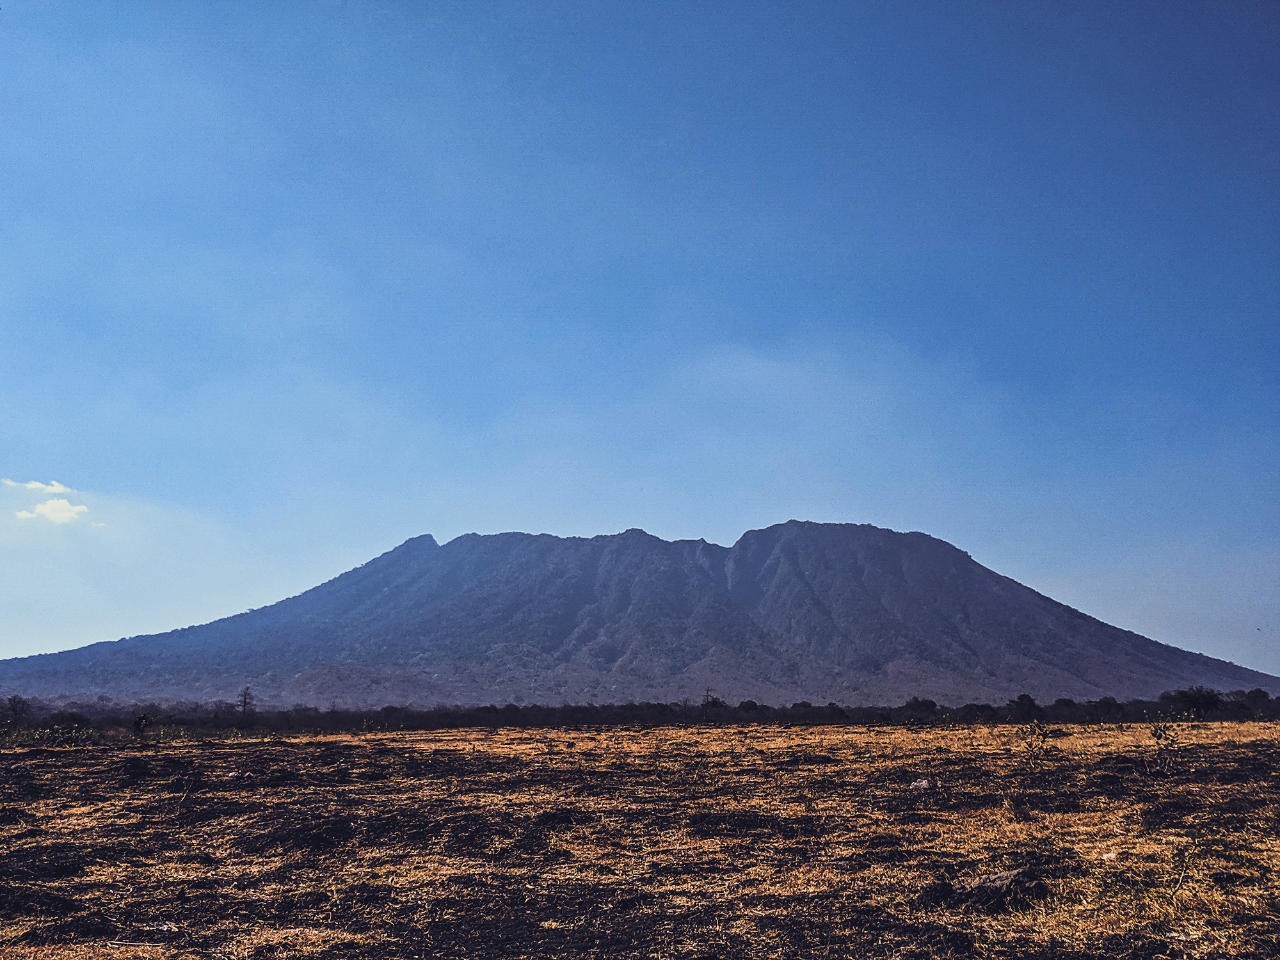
[[672, 842]]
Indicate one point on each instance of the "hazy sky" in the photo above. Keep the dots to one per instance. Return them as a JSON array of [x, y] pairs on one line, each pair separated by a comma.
[[284, 285]]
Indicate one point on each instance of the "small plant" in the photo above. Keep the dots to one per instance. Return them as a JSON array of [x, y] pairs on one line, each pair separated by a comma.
[[1165, 734], [1035, 743], [1034, 736], [1167, 741]]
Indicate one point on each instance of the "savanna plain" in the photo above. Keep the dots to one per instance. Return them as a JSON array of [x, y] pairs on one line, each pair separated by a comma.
[[1133, 841]]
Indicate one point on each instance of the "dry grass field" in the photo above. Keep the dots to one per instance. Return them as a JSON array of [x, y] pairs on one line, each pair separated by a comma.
[[688, 842]]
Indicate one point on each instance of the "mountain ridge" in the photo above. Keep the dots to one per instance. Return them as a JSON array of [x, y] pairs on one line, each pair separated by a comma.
[[850, 613]]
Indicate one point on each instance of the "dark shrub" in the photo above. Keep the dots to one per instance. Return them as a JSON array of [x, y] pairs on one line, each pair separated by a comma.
[[977, 712], [1023, 709], [1196, 701]]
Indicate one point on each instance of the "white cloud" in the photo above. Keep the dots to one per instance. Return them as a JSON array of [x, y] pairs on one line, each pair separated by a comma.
[[57, 510], [53, 486], [151, 567]]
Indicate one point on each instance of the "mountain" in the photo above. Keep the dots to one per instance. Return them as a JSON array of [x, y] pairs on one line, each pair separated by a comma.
[[843, 612]]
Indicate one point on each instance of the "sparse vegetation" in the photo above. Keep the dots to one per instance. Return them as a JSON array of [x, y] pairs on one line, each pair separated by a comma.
[[109, 719]]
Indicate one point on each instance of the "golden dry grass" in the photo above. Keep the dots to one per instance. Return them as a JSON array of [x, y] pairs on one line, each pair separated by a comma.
[[672, 842]]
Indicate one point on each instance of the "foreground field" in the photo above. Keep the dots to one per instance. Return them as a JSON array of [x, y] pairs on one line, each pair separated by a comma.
[[677, 842]]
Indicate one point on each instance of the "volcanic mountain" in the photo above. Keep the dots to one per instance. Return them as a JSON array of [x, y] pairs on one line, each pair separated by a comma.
[[824, 612]]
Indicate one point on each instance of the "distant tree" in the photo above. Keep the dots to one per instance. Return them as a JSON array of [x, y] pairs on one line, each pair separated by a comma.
[[977, 713], [746, 706], [1196, 701], [1023, 709], [1065, 710], [244, 703], [19, 707], [917, 707], [1105, 710], [140, 724], [711, 702]]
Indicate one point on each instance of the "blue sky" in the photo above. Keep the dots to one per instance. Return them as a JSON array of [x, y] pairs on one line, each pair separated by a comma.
[[284, 285]]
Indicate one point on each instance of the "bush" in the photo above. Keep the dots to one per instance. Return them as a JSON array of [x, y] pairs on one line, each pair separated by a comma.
[[1193, 701], [1024, 709]]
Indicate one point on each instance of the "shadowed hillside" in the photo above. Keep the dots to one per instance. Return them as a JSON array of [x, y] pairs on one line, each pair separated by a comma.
[[850, 613]]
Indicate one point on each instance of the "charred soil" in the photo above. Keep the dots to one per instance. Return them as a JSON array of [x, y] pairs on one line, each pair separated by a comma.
[[688, 842]]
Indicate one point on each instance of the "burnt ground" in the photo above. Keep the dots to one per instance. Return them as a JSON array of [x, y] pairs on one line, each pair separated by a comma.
[[673, 842]]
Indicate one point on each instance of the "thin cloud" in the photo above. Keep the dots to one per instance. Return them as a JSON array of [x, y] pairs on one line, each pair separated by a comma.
[[56, 510], [53, 486]]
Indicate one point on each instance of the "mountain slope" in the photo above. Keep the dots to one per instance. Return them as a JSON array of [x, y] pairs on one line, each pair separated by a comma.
[[843, 612]]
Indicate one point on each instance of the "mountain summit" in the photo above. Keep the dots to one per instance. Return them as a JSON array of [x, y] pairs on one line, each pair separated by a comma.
[[843, 612]]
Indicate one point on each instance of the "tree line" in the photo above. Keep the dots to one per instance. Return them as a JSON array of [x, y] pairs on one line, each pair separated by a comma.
[[1192, 703]]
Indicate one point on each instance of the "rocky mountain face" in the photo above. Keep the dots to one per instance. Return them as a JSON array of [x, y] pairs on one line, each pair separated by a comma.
[[824, 612]]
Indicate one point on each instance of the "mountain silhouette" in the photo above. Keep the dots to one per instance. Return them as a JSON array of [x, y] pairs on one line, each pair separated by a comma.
[[824, 612]]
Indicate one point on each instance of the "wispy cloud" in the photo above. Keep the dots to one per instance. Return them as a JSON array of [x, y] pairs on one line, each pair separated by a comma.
[[53, 486], [56, 510]]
